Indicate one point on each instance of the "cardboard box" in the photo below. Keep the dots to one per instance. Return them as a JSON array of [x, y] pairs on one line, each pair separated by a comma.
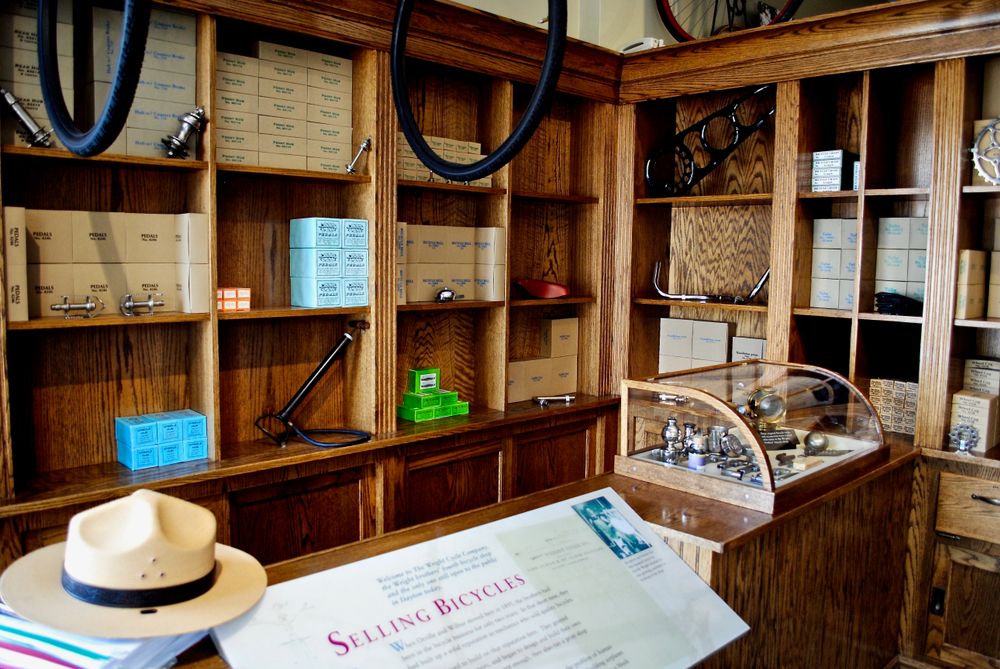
[[748, 348], [281, 54], [317, 263], [915, 290], [171, 26], [401, 233], [237, 83], [537, 377], [332, 116], [427, 244], [235, 157], [147, 278], [292, 74], [192, 239], [461, 246], [326, 165], [193, 287], [328, 134], [562, 380], [710, 341], [400, 278], [848, 264], [46, 286], [286, 109], [355, 233], [330, 81], [282, 145], [423, 281], [994, 268], [826, 263], [356, 263], [916, 268], [149, 144], [516, 388], [675, 337], [107, 282], [230, 62], [825, 294], [323, 97], [239, 102], [21, 32], [891, 264], [316, 293], [970, 301], [827, 233], [169, 57], [150, 238], [281, 127], [30, 97], [316, 148], [490, 283], [490, 246], [894, 233], [971, 267], [669, 363], [475, 148], [15, 263], [316, 232], [235, 139], [283, 90], [281, 161], [168, 87], [982, 363], [356, 292], [849, 234], [21, 66], [321, 61], [894, 287], [559, 337], [238, 121], [50, 236], [918, 233], [99, 237]]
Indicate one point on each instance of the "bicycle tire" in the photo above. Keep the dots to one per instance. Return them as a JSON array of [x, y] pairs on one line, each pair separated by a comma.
[[135, 27], [538, 105], [679, 17]]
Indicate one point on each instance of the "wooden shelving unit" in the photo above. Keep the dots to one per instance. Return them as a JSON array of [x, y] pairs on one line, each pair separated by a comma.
[[290, 312], [59, 322]]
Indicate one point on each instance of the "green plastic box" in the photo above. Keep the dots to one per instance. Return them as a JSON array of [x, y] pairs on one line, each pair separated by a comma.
[[444, 412], [421, 400], [416, 415], [448, 397], [460, 409], [425, 380]]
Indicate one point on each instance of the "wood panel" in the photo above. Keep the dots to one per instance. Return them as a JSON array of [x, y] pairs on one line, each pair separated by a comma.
[[545, 164], [553, 457], [442, 339], [422, 207], [525, 329], [445, 101], [616, 289], [450, 484], [542, 238], [902, 122]]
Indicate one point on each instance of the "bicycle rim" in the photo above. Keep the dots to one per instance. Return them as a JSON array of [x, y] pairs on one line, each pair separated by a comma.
[[689, 20]]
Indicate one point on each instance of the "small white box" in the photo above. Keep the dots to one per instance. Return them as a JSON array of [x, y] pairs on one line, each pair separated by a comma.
[[330, 150], [825, 294], [150, 238], [710, 341], [894, 287], [748, 348], [323, 97], [281, 127], [827, 233], [915, 290], [170, 57], [282, 161], [281, 54], [849, 234], [321, 61], [891, 264], [670, 363], [191, 239], [916, 270], [106, 282], [970, 301], [234, 139], [239, 102], [239, 121], [152, 278], [328, 134], [283, 90], [292, 74], [490, 282], [326, 165], [826, 263], [675, 337], [50, 236], [894, 233], [46, 285], [330, 81], [230, 62], [288, 109], [982, 363], [98, 237], [971, 267], [289, 146], [334, 116], [846, 301], [236, 157], [236, 82], [17, 291], [166, 86], [848, 264], [171, 26], [194, 288], [918, 233], [21, 66]]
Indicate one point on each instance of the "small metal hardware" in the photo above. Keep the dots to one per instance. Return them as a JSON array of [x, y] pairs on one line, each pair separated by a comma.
[[953, 537], [130, 306], [964, 437], [362, 148], [733, 464], [447, 295], [37, 135], [666, 398], [671, 433], [988, 500], [715, 299], [736, 474], [989, 155], [816, 441], [543, 400], [938, 595], [785, 458], [732, 446], [88, 306], [191, 123], [716, 437], [826, 454]]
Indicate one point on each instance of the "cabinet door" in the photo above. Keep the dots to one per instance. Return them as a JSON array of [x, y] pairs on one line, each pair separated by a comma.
[[548, 458], [965, 596]]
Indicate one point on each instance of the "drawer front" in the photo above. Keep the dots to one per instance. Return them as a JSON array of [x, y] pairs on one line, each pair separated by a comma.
[[960, 513]]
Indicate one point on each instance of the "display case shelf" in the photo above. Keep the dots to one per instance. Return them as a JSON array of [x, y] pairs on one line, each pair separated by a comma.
[[58, 322], [108, 158], [709, 200], [290, 312], [981, 191], [450, 187]]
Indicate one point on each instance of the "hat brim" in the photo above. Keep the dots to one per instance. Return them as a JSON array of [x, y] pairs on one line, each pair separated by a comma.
[[32, 587]]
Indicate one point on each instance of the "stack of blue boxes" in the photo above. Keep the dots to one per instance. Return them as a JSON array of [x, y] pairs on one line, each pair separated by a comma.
[[329, 262], [157, 439]]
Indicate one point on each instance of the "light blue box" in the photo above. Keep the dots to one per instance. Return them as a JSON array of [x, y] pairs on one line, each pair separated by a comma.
[[195, 449], [356, 292], [171, 453], [168, 426], [135, 431], [355, 233], [308, 233], [193, 424], [142, 457], [355, 263], [317, 293], [318, 263]]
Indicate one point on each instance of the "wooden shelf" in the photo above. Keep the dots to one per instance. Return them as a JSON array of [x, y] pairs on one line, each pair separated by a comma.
[[983, 191], [450, 187], [914, 194], [127, 161], [553, 302], [290, 312], [990, 458], [982, 323], [294, 174], [458, 304], [886, 318], [822, 313], [700, 305], [836, 195], [555, 197], [58, 322], [709, 200]]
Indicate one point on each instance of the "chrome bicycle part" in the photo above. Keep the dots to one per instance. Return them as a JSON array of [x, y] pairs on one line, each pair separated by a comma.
[[815, 441], [543, 400], [447, 295], [191, 123], [37, 136], [732, 446], [714, 299], [88, 306], [130, 306], [988, 155], [964, 437], [363, 147], [667, 398]]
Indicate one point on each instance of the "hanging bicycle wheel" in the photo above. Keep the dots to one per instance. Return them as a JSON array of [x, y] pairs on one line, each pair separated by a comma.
[[689, 20]]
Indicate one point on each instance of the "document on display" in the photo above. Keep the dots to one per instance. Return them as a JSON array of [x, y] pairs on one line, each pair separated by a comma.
[[581, 584]]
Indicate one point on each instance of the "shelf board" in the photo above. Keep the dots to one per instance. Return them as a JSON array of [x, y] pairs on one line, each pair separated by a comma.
[[58, 322], [890, 319], [458, 304], [313, 175], [838, 195], [552, 302], [290, 312], [900, 193], [981, 323], [116, 159], [990, 458], [709, 200], [110, 480], [450, 187], [823, 313], [555, 197], [700, 305], [985, 191]]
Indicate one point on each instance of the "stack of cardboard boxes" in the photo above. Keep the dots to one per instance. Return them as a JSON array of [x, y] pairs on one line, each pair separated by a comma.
[[19, 71], [835, 171], [425, 399], [834, 263], [554, 372], [285, 107], [329, 262], [687, 344], [469, 261], [408, 166], [166, 89], [895, 401], [970, 295], [901, 257], [158, 439], [106, 255], [976, 404]]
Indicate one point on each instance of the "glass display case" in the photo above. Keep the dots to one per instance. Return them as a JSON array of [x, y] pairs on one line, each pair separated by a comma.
[[762, 435]]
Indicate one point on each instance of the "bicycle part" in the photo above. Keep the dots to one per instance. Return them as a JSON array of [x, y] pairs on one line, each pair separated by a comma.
[[537, 107], [713, 299], [135, 26], [88, 306], [988, 155], [687, 20], [675, 154], [964, 437], [897, 305], [543, 401], [128, 305], [37, 136], [447, 295], [362, 148], [543, 289], [191, 122]]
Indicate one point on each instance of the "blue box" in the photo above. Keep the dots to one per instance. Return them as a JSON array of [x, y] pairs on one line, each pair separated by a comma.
[[195, 449], [355, 233], [355, 292], [355, 263], [193, 424], [318, 263], [171, 453], [309, 233], [168, 426], [317, 293], [142, 457], [135, 431]]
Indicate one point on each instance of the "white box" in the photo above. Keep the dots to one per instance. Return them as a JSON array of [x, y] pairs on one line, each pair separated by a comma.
[[50, 236], [827, 233], [982, 363], [401, 230], [282, 90], [149, 143], [748, 348], [282, 72], [423, 281], [106, 282], [288, 146], [326, 165], [559, 337], [891, 264], [151, 278], [171, 26], [915, 290], [330, 150], [191, 239], [169, 57], [916, 268], [491, 246], [849, 234], [918, 233], [281, 127], [333, 116], [194, 288], [321, 61], [670, 363], [894, 287], [848, 264], [238, 102], [282, 108], [323, 97], [46, 285], [17, 292], [235, 139], [150, 238], [330, 81], [675, 337], [237, 82], [329, 134], [15, 234], [490, 283], [971, 267], [400, 278], [537, 377], [166, 86], [29, 8], [236, 157], [970, 301], [846, 301], [239, 121], [98, 237], [230, 62], [894, 233], [710, 341], [282, 161], [145, 113], [21, 66], [281, 54], [825, 294], [826, 263], [30, 97], [21, 32]]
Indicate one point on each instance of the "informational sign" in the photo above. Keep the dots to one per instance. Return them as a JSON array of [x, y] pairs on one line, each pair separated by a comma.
[[582, 584]]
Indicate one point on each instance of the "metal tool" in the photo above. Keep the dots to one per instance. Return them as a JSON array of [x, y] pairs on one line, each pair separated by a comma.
[[88, 306], [543, 400], [785, 458], [447, 295], [192, 122], [990, 155], [362, 148], [815, 441], [130, 306], [964, 437], [667, 398], [714, 299], [671, 433], [732, 446], [37, 135]]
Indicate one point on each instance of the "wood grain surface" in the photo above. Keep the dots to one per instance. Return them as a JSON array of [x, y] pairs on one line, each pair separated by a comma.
[[451, 486], [441, 339], [902, 122], [553, 457]]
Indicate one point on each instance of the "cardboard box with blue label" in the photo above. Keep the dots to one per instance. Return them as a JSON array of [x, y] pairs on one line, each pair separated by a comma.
[[559, 337]]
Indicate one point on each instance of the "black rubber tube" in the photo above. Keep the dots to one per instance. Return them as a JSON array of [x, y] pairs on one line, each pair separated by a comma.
[[538, 106], [109, 124]]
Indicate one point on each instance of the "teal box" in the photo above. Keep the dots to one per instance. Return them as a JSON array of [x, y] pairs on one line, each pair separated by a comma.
[[355, 233], [355, 292], [318, 292], [195, 449], [318, 263], [142, 457], [171, 453], [168, 427], [193, 424], [355, 263], [309, 233], [135, 431]]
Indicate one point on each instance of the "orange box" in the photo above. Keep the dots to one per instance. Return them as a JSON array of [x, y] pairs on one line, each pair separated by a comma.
[[233, 299]]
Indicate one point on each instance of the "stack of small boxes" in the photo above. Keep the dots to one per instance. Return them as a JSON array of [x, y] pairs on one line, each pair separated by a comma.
[[554, 371], [426, 400], [329, 262], [896, 404], [688, 344], [901, 258], [409, 167], [286, 108], [976, 404], [835, 171], [970, 295], [469, 261], [166, 89], [159, 439], [233, 299], [834, 263], [19, 71]]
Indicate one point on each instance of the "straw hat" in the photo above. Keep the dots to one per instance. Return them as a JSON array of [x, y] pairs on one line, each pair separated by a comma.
[[141, 566]]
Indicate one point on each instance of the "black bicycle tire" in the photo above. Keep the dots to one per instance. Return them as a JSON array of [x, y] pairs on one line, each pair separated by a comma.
[[135, 28], [677, 31], [538, 105]]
